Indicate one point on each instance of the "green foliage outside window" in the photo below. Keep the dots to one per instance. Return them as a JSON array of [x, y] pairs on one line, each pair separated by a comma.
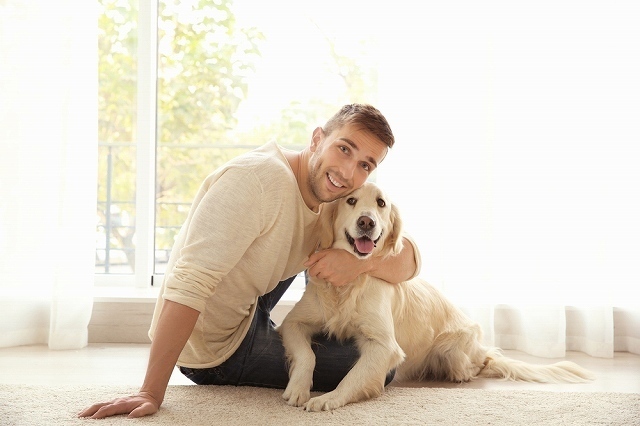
[[205, 61]]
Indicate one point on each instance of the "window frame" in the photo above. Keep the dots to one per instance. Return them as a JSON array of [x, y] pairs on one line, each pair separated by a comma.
[[146, 123]]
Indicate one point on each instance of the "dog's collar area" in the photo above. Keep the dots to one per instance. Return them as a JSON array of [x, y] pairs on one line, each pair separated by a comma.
[[363, 246]]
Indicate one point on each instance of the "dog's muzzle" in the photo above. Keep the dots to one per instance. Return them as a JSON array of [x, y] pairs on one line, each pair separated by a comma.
[[362, 245]]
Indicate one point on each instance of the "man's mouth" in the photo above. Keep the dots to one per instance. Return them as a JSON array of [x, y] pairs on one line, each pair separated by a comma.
[[334, 182], [363, 245]]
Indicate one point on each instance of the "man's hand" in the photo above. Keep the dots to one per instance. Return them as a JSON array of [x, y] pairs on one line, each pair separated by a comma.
[[336, 266], [175, 324], [339, 267], [139, 405]]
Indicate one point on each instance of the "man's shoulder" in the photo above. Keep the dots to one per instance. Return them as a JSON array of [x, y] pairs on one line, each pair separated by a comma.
[[267, 163], [267, 153], [264, 168]]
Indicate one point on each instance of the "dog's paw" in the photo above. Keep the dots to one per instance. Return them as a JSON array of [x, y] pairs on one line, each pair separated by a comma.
[[327, 402], [296, 396]]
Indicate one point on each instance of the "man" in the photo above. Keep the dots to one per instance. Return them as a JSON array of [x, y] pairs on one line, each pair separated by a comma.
[[251, 226]]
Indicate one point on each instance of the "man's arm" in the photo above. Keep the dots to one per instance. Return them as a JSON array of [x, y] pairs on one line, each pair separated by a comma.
[[339, 267], [175, 325]]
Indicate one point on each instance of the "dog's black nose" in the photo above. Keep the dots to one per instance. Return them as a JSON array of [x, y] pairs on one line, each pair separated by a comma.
[[366, 223]]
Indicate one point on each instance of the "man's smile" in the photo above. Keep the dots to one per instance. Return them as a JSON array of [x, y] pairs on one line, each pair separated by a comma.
[[334, 182]]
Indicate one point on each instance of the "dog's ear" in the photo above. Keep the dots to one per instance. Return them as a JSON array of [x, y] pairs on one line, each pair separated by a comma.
[[325, 224], [394, 240]]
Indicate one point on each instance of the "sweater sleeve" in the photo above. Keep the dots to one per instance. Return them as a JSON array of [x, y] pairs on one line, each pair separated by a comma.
[[223, 224], [416, 254]]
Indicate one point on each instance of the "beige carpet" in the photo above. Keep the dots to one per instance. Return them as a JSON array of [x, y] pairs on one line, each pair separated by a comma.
[[213, 405]]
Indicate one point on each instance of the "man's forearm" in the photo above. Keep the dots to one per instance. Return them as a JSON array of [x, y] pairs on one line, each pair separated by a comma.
[[397, 268], [175, 325]]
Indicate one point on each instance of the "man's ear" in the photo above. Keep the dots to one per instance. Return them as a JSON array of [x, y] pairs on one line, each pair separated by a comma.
[[316, 138]]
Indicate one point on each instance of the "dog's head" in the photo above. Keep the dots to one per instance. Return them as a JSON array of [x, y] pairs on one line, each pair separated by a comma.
[[363, 223]]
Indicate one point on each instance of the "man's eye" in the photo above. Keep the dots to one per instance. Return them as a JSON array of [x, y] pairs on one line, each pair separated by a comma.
[[351, 201], [366, 166], [381, 202]]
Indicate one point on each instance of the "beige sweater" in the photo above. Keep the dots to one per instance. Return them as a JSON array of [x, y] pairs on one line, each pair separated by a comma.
[[247, 230]]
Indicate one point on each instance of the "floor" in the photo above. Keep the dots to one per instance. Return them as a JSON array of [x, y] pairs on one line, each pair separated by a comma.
[[125, 364]]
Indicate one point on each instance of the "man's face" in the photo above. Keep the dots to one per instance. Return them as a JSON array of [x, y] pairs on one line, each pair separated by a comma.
[[342, 161]]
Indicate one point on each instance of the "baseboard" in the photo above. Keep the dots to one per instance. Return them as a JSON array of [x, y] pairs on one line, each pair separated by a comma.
[[120, 322]]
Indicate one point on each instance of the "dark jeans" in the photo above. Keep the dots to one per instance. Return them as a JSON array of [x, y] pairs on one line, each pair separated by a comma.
[[260, 358]]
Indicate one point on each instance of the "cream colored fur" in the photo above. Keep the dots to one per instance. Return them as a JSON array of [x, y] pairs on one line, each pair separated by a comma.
[[410, 326]]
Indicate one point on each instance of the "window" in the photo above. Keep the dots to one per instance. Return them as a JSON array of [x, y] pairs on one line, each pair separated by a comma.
[[227, 77], [117, 74]]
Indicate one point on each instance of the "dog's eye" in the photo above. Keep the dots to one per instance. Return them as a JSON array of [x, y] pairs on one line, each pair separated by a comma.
[[381, 202], [351, 201]]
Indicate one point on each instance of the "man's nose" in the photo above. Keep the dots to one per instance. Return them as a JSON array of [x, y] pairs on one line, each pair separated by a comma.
[[347, 169]]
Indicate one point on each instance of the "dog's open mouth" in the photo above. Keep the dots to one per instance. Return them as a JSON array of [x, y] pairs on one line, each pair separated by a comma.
[[362, 246]]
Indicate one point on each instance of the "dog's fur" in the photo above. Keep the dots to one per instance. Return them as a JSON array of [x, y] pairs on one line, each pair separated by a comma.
[[410, 326]]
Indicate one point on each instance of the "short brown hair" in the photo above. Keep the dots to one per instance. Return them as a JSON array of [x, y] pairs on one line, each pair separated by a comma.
[[365, 115]]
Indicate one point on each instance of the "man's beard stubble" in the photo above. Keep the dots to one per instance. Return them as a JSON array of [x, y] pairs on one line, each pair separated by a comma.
[[316, 180]]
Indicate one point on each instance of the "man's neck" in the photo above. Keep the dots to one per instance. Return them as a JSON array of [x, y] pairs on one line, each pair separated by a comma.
[[299, 161]]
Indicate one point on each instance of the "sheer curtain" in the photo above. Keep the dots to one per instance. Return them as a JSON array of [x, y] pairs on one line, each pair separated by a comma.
[[48, 168], [517, 166]]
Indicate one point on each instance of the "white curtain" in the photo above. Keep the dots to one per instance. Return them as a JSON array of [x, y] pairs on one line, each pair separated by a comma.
[[517, 165], [48, 168]]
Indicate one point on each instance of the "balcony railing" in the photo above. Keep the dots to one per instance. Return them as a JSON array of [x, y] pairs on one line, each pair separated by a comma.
[[115, 228]]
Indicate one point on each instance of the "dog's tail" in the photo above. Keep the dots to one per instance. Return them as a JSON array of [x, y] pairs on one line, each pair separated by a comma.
[[499, 366]]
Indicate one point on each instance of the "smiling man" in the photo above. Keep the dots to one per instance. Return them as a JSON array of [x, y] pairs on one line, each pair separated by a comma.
[[250, 231]]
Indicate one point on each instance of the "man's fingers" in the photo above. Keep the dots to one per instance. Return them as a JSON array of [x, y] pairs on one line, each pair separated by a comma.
[[315, 257], [312, 272], [110, 410], [311, 261], [91, 410], [113, 408], [144, 409]]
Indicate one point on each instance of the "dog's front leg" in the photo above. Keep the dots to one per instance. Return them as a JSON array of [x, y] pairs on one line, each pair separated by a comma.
[[296, 338], [366, 379]]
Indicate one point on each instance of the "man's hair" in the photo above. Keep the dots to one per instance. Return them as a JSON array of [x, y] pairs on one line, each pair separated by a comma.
[[364, 115]]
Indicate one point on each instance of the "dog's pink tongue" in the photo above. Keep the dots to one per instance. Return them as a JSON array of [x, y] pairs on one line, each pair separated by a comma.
[[364, 245]]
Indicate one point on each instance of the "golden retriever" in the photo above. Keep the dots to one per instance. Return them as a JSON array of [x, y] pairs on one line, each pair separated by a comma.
[[410, 326]]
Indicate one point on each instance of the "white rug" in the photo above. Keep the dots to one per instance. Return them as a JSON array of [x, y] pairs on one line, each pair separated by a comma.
[[225, 405]]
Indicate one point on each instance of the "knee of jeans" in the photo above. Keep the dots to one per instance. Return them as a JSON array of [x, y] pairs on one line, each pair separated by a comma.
[[390, 375], [204, 376], [189, 373]]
